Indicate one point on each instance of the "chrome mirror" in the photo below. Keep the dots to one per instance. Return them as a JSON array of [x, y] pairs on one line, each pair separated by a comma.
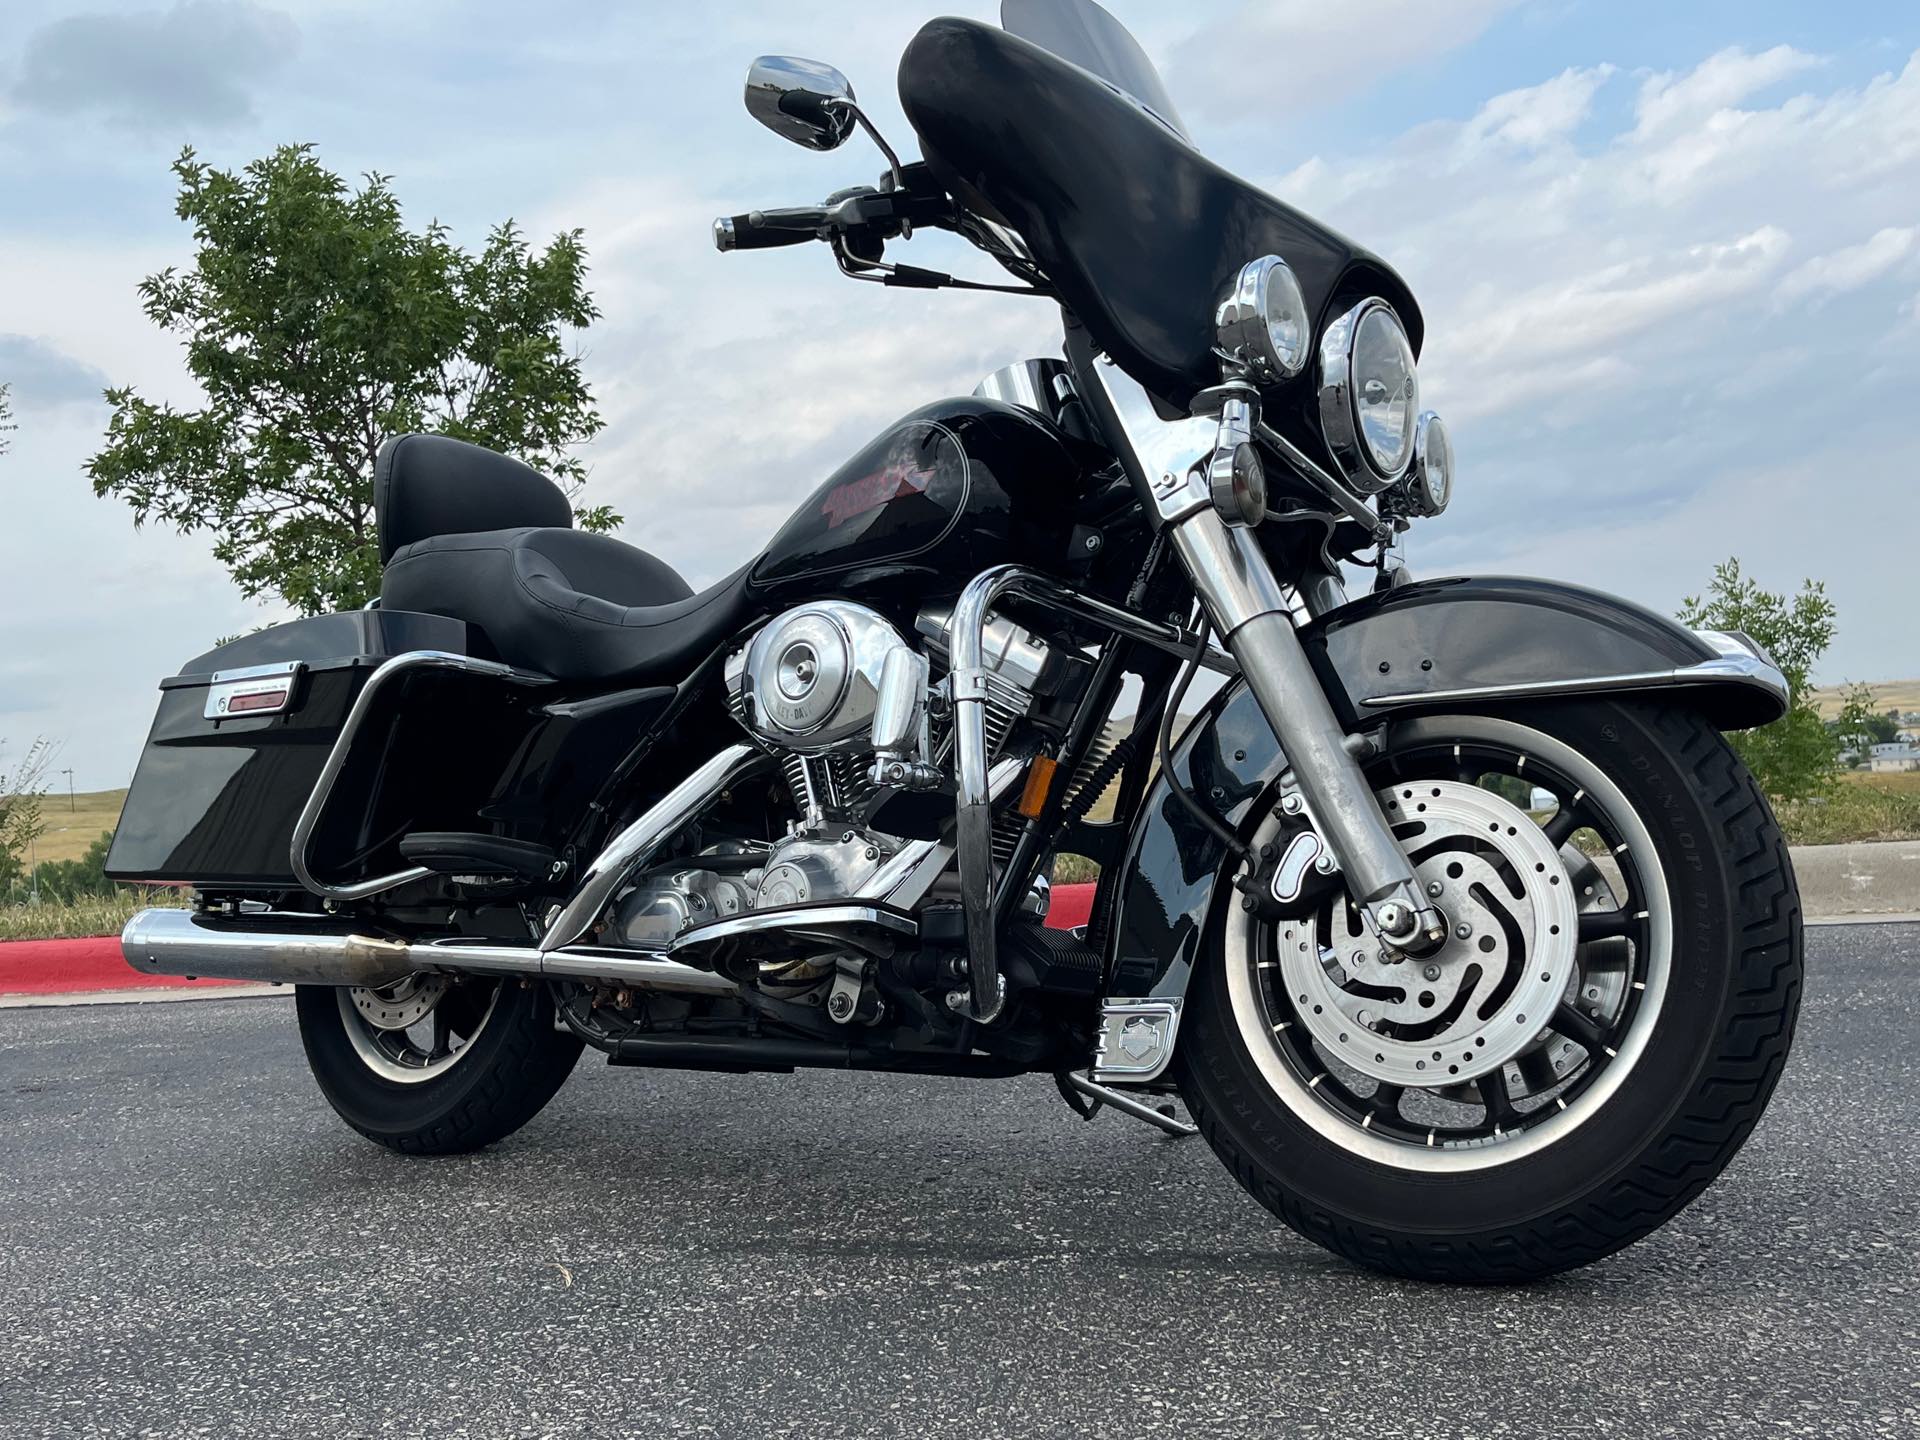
[[806, 102]]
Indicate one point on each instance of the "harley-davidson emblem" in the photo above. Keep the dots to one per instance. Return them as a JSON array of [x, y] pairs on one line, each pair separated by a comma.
[[1140, 1037], [901, 476]]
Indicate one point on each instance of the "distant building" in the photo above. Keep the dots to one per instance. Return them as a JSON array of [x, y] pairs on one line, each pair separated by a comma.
[[1894, 756]]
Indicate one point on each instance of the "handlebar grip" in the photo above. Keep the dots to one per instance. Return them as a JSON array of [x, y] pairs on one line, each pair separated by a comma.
[[768, 229]]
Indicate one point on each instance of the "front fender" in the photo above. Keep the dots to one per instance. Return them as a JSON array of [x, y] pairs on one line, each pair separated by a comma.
[[1449, 644]]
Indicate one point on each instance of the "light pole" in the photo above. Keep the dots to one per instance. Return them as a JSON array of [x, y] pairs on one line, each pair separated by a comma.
[[73, 806]]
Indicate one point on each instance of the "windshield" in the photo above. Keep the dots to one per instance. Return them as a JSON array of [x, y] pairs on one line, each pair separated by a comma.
[[1083, 33]]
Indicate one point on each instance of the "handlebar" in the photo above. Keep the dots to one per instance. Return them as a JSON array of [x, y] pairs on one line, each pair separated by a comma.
[[770, 229]]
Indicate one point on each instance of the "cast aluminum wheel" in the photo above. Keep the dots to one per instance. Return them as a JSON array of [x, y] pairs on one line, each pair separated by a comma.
[[1539, 1004], [417, 1028]]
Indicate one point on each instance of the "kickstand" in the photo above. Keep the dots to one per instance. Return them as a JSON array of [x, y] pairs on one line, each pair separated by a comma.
[[1084, 1097]]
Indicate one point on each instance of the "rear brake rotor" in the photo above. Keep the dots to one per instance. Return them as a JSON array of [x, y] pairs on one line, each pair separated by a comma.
[[401, 1004], [1485, 996]]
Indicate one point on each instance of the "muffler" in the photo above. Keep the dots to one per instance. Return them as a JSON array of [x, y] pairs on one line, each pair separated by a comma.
[[324, 952]]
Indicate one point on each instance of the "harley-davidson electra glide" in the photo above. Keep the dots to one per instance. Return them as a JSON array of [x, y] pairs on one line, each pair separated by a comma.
[[1469, 944]]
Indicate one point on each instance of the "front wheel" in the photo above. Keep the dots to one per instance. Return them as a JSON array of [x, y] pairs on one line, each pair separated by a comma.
[[435, 1065], [1595, 1041]]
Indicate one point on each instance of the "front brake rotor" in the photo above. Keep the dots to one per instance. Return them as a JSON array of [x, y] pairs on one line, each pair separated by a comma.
[[1482, 998]]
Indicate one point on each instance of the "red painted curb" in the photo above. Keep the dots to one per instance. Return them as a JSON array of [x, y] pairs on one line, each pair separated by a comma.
[[1072, 905], [73, 967]]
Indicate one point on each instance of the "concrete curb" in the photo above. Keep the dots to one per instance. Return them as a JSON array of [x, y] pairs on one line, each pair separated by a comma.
[[1868, 879]]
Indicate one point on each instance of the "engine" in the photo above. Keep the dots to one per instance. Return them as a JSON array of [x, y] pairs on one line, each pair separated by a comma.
[[856, 714]]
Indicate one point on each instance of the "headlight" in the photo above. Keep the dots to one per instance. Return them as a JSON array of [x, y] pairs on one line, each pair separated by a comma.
[[1369, 394], [1262, 324], [1430, 486]]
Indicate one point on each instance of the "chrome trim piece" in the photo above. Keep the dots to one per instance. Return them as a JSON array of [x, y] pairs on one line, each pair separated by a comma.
[[628, 850], [254, 681], [1243, 325], [1030, 384], [180, 942], [398, 666], [1164, 458], [796, 920], [1134, 1043], [1737, 669]]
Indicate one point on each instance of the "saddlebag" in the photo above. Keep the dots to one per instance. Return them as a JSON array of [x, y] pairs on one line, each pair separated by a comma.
[[240, 739]]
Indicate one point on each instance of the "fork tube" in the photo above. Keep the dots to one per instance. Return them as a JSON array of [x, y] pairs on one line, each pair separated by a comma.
[[1237, 586]]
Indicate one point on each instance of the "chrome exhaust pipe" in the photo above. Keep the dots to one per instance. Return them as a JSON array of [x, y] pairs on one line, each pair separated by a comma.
[[259, 947]]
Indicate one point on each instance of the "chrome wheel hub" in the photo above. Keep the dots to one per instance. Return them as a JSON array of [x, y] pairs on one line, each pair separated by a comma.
[[1492, 988]]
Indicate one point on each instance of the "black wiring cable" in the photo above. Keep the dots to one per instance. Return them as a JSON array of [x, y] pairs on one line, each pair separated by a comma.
[[1206, 817]]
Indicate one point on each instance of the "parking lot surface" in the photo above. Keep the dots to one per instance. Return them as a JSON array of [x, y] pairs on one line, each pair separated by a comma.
[[191, 1244]]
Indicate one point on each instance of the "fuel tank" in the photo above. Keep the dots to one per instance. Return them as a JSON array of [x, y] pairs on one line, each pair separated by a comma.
[[954, 487]]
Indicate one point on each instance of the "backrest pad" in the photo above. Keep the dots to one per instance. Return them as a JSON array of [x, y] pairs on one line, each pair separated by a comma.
[[427, 485]]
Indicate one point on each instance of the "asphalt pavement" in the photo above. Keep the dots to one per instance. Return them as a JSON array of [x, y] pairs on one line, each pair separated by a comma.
[[191, 1244]]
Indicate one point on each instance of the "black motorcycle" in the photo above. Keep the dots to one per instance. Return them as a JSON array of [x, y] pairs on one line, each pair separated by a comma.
[[1467, 941]]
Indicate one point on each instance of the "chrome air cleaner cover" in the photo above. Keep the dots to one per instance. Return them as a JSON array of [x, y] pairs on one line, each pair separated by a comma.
[[808, 680]]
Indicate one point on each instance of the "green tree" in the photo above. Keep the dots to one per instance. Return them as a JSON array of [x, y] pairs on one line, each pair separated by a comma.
[[316, 324], [21, 820], [1797, 756]]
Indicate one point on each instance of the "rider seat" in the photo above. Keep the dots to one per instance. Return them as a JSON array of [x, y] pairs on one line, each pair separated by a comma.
[[480, 537]]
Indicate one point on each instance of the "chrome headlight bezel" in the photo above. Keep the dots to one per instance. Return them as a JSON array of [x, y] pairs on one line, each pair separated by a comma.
[[1430, 482], [1263, 326], [1339, 411]]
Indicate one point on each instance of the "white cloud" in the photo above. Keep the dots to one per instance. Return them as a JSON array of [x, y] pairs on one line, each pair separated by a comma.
[[1294, 54], [1674, 100], [1540, 115], [1851, 266]]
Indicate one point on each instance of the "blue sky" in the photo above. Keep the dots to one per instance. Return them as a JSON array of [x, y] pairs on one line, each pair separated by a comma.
[[1670, 256]]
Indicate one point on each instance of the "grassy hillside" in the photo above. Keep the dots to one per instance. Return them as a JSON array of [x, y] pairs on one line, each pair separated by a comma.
[[1887, 695], [71, 830]]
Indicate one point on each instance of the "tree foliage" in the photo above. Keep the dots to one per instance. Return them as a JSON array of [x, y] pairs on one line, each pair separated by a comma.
[[7, 426], [1797, 756], [65, 881], [22, 821], [316, 324]]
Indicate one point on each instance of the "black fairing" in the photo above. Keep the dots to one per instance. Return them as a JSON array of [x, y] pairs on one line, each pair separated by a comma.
[[1140, 233], [953, 488]]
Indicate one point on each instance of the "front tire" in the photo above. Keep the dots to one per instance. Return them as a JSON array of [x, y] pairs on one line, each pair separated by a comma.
[[466, 1070], [1625, 1115]]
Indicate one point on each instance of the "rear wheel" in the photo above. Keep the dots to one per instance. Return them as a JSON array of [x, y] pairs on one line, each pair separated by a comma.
[[1594, 1042], [435, 1065]]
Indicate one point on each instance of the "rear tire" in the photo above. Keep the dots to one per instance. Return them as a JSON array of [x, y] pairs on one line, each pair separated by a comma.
[[1698, 1078], [514, 1063]]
